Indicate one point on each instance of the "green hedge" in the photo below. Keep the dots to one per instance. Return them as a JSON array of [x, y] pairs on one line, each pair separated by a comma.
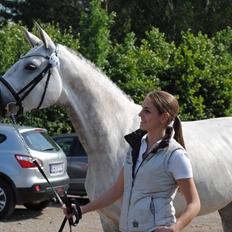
[[198, 71]]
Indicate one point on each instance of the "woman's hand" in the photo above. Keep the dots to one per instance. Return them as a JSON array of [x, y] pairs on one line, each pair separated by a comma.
[[167, 229], [67, 212]]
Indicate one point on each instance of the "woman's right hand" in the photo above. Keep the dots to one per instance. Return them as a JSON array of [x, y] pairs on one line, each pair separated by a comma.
[[67, 212]]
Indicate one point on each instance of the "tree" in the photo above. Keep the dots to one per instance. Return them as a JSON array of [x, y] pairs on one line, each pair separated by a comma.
[[12, 45], [136, 68], [95, 32], [201, 76], [198, 70], [64, 12], [170, 16]]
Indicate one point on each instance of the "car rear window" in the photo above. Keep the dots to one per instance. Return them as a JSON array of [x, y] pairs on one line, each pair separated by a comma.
[[70, 145], [66, 144], [40, 141]]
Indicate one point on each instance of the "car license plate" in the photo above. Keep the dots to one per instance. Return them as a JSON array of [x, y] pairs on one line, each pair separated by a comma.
[[56, 168]]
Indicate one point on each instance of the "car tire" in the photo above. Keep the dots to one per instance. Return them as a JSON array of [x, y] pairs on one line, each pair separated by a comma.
[[37, 206], [7, 200]]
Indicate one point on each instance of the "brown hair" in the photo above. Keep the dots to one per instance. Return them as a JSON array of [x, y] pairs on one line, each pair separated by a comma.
[[167, 103]]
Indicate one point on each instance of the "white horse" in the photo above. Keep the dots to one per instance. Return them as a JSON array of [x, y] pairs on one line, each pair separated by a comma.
[[102, 114]]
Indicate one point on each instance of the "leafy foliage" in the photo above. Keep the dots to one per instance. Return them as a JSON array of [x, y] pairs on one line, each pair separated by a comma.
[[60, 11], [171, 17], [12, 45], [200, 76], [198, 70], [135, 68], [94, 33]]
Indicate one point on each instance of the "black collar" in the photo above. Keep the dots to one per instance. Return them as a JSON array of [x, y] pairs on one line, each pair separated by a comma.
[[134, 139]]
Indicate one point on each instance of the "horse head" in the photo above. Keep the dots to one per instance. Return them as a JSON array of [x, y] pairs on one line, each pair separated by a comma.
[[26, 85]]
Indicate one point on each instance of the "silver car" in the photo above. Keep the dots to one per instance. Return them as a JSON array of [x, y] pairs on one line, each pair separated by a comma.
[[20, 180]]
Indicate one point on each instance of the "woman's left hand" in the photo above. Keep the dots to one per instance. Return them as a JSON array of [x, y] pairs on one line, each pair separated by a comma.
[[167, 229]]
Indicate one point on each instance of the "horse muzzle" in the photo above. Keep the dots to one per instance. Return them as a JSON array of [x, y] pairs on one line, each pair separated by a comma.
[[11, 107]]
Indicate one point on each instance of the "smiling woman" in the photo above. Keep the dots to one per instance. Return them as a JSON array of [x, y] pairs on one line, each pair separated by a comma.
[[147, 201]]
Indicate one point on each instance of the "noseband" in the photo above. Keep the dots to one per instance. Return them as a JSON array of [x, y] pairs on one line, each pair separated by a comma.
[[53, 60]]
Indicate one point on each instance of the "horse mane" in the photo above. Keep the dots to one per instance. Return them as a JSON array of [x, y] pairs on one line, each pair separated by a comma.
[[98, 70]]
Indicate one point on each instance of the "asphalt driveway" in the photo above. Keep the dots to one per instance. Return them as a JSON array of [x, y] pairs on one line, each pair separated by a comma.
[[49, 220]]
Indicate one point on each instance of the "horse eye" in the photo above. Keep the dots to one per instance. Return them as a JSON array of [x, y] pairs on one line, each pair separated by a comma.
[[31, 67]]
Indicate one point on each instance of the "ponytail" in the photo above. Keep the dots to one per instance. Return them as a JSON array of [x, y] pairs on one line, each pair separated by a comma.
[[178, 136], [166, 102]]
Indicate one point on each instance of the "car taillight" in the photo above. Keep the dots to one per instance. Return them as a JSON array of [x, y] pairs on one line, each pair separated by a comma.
[[26, 161]]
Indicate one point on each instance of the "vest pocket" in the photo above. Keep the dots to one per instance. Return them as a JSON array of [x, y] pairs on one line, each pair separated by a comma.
[[140, 217], [162, 211], [152, 207]]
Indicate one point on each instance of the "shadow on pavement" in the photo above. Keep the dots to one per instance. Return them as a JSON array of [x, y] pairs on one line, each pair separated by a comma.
[[22, 213]]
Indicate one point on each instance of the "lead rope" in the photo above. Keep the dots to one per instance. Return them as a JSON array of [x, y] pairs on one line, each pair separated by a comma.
[[67, 201]]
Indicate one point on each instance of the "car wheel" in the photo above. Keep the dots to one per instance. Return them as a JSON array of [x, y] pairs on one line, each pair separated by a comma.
[[7, 201], [37, 206]]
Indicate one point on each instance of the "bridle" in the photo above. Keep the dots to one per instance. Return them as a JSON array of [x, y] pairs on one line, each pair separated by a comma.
[[19, 96]]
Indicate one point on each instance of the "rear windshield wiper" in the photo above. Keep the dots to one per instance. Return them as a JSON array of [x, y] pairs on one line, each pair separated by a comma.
[[49, 149]]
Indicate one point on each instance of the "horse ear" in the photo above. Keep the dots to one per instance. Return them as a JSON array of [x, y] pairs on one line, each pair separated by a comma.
[[47, 41], [32, 39]]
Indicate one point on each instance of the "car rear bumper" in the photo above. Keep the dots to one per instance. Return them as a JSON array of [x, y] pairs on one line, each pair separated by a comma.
[[40, 192], [77, 189]]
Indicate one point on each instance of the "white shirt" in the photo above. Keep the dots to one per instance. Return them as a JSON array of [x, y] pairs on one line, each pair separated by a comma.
[[179, 164]]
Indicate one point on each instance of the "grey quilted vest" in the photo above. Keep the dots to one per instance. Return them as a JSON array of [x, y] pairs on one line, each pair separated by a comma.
[[148, 193]]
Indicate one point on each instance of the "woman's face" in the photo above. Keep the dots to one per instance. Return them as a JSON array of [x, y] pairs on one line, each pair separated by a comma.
[[151, 119]]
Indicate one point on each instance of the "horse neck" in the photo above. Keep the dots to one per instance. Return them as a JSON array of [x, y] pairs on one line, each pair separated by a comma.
[[99, 111]]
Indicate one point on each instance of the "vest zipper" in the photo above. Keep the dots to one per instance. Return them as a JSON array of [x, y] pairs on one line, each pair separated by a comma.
[[139, 167]]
